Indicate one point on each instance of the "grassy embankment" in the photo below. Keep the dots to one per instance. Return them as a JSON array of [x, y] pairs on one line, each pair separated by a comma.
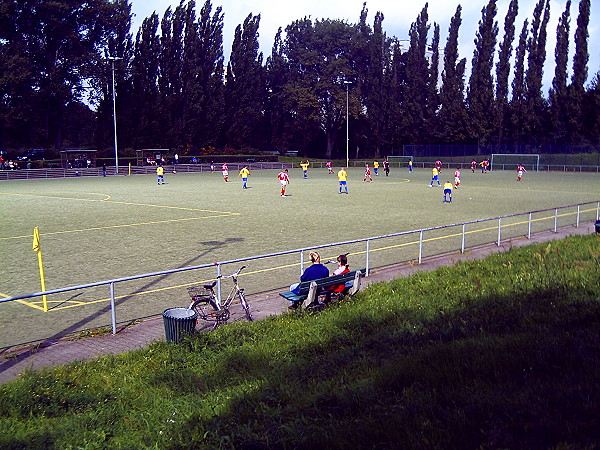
[[500, 353]]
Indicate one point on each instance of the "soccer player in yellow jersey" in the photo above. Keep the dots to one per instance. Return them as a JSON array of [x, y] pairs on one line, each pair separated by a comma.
[[304, 166], [376, 168], [447, 191], [160, 174], [244, 175], [342, 177], [434, 177]]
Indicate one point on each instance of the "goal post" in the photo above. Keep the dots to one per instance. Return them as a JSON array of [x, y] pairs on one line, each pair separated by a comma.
[[510, 161], [401, 160]]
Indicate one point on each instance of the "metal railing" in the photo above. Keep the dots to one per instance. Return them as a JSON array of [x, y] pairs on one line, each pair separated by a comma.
[[463, 235], [31, 174]]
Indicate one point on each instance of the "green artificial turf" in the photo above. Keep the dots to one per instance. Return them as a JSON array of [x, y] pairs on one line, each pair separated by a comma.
[[95, 228]]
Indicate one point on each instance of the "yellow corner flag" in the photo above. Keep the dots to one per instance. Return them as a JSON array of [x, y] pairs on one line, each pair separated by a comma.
[[37, 248], [36, 240]]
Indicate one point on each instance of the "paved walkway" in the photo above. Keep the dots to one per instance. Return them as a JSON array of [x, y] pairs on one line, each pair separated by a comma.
[[139, 335]]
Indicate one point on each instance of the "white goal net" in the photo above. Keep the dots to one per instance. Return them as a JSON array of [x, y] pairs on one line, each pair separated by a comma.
[[505, 161]]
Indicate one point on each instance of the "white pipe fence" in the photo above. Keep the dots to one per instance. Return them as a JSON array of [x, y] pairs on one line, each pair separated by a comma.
[[568, 215]]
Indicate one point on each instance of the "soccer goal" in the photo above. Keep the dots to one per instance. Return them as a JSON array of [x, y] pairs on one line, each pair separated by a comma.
[[505, 161], [402, 161]]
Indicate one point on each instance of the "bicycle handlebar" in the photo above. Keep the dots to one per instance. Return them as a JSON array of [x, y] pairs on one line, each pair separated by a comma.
[[235, 274]]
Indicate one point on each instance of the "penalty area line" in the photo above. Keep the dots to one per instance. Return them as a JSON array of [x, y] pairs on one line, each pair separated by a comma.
[[108, 227]]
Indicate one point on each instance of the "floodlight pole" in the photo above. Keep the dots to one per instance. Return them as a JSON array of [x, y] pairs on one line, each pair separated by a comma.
[[112, 59], [347, 83]]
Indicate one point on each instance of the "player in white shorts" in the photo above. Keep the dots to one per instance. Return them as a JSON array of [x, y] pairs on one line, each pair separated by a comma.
[[225, 172], [284, 179], [457, 178]]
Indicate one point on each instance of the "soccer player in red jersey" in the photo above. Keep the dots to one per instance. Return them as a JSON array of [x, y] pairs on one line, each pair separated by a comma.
[[367, 173], [225, 171], [329, 167], [457, 178], [284, 179], [520, 171]]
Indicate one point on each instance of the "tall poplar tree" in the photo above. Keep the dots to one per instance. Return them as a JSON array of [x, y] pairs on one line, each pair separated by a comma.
[[453, 114], [517, 102], [376, 89], [277, 77], [480, 93], [580, 72], [503, 67], [144, 81], [433, 97], [417, 79], [558, 92], [171, 74], [204, 115], [535, 104], [581, 57], [244, 88]]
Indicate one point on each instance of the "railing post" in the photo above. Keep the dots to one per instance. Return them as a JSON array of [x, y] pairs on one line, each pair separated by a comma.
[[368, 256], [529, 228], [113, 312], [219, 283], [555, 219], [499, 231], [462, 245], [301, 262], [420, 246], [577, 225]]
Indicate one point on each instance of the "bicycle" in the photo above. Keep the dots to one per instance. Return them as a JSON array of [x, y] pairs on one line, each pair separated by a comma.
[[206, 303]]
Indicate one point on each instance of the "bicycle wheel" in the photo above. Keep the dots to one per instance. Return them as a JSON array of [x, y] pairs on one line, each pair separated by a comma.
[[244, 304], [209, 312]]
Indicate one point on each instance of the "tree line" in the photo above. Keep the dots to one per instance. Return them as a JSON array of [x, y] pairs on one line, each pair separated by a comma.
[[174, 89]]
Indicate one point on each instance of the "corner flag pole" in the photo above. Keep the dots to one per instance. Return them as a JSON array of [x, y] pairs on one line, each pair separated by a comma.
[[38, 249]]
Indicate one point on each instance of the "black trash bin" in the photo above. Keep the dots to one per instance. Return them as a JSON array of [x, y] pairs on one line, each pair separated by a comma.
[[598, 226], [179, 321]]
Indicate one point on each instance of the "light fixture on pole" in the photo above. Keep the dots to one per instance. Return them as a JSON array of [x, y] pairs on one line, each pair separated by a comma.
[[347, 83], [112, 59]]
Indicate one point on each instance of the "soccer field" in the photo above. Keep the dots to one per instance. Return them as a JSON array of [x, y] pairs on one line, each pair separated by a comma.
[[95, 228]]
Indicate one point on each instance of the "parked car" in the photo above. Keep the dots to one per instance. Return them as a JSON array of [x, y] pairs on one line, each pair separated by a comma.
[[33, 155]]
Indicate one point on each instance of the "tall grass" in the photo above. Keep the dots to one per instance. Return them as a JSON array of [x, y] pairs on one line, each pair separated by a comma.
[[500, 353]]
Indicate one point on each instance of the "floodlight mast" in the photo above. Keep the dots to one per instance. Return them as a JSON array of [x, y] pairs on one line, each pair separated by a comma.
[[112, 59], [347, 83]]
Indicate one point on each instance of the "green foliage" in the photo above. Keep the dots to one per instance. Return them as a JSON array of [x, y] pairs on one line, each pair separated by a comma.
[[503, 67], [173, 91], [244, 87], [453, 116], [558, 94], [534, 106], [495, 354], [480, 93]]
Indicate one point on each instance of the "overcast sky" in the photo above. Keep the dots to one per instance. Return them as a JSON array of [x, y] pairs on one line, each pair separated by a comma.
[[398, 17]]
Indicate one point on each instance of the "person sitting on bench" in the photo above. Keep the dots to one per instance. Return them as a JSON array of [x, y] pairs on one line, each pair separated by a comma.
[[314, 272], [343, 267]]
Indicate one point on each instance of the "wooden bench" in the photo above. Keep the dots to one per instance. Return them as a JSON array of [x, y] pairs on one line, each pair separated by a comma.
[[309, 290]]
